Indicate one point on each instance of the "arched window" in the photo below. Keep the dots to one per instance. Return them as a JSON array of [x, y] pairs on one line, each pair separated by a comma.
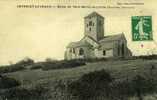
[[70, 50], [89, 29], [123, 49], [104, 52], [119, 49], [73, 50], [90, 23], [81, 51]]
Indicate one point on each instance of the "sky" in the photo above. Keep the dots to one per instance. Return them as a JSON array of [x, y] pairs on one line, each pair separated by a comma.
[[45, 32]]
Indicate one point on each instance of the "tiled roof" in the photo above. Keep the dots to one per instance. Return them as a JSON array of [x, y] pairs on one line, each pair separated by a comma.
[[112, 38], [83, 42], [78, 44]]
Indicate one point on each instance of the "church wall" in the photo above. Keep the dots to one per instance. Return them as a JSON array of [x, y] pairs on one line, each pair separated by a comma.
[[118, 49], [108, 48], [88, 53], [111, 48], [68, 55], [99, 53]]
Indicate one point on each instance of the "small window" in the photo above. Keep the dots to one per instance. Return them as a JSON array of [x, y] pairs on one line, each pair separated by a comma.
[[123, 49], [93, 24], [81, 51], [87, 25], [104, 52], [89, 29], [70, 50], [90, 23], [73, 50]]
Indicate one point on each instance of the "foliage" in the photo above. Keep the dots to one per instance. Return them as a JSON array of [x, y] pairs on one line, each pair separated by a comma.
[[6, 82], [50, 60], [11, 68], [62, 64], [138, 86], [21, 65], [91, 85], [147, 57], [25, 62], [20, 93], [36, 66], [100, 84]]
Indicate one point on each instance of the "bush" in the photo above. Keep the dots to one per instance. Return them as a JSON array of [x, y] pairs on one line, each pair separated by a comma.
[[149, 57], [142, 86], [62, 64], [25, 62], [91, 85], [35, 93], [138, 86], [36, 66], [11, 68], [6, 82], [99, 85]]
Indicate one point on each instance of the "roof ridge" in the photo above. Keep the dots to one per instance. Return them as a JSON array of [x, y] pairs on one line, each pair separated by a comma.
[[93, 13], [112, 37]]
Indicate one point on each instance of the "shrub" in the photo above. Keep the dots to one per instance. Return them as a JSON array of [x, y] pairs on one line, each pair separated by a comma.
[[147, 57], [62, 64], [6, 82], [36, 66], [91, 85], [11, 68], [34, 93], [25, 62], [138, 86], [50, 60], [142, 86]]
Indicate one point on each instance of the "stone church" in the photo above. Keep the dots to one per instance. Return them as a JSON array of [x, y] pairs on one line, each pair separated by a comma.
[[94, 44]]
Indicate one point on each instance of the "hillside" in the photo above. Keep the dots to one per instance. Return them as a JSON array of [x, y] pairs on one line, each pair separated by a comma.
[[120, 70]]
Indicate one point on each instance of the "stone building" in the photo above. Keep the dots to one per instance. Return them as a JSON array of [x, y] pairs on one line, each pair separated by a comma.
[[94, 44]]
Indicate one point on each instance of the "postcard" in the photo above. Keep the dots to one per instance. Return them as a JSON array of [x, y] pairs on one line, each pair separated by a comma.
[[78, 50]]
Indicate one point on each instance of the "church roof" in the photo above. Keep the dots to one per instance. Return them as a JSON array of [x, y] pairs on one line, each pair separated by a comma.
[[84, 43], [78, 44], [112, 38], [93, 14]]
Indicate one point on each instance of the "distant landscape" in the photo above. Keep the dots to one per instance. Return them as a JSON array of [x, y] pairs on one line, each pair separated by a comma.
[[131, 78]]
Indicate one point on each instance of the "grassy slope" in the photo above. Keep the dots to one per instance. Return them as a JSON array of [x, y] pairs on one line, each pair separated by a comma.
[[119, 69]]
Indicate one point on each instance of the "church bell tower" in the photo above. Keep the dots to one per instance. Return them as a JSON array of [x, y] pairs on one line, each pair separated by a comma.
[[94, 26]]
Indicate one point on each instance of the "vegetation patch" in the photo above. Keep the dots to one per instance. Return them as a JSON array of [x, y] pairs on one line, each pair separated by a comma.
[[35, 93], [62, 64], [21, 65], [6, 82], [11, 68], [36, 66], [91, 85], [99, 85]]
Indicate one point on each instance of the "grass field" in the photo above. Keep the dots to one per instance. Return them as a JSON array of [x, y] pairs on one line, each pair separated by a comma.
[[120, 69]]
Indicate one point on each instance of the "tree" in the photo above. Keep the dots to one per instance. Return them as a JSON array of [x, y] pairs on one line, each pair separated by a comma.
[[26, 61]]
